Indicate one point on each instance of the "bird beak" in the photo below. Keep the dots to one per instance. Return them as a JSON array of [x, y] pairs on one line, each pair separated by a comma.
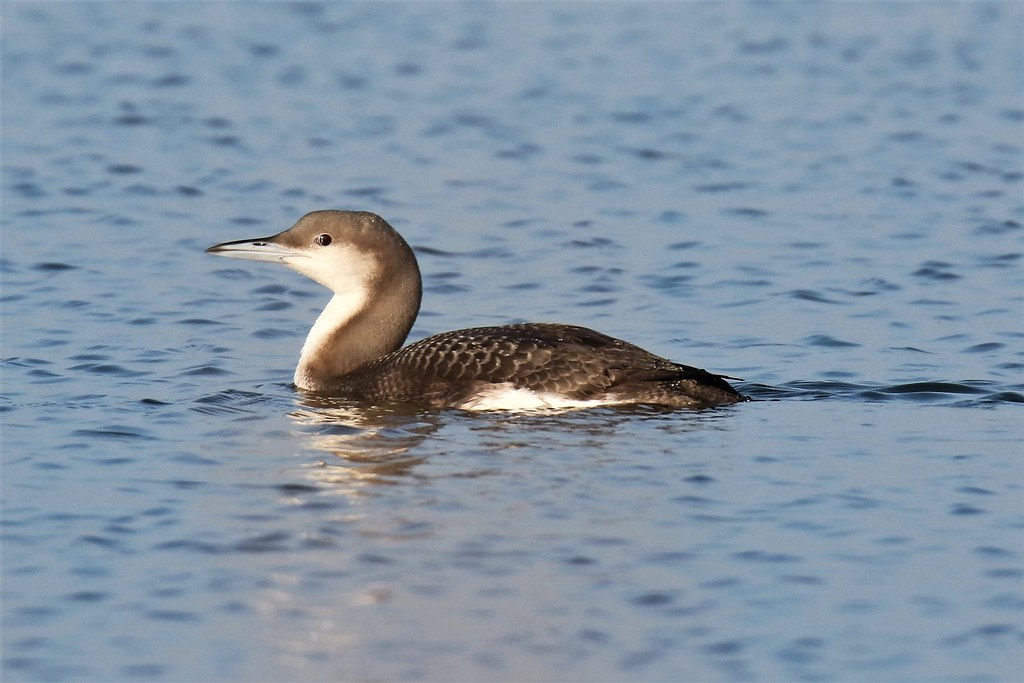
[[262, 249]]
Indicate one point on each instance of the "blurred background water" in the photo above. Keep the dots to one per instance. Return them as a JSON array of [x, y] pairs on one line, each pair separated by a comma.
[[824, 199]]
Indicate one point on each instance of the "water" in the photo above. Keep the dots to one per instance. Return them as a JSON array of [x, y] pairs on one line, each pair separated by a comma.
[[823, 199]]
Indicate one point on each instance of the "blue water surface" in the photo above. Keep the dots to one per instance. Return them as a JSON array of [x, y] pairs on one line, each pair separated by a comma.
[[825, 199]]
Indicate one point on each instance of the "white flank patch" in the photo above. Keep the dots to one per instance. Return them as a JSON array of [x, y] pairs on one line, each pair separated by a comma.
[[507, 397]]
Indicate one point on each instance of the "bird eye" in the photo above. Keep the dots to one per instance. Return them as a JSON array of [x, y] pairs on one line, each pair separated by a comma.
[[323, 240]]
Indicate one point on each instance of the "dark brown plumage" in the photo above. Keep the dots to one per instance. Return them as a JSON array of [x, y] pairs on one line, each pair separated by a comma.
[[574, 362]]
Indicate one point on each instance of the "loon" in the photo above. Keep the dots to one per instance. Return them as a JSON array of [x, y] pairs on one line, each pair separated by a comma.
[[354, 348]]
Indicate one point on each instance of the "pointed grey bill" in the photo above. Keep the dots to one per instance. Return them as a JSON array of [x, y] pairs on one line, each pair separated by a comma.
[[261, 249]]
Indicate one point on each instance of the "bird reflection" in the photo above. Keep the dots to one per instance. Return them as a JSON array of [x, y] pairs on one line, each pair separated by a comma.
[[367, 445], [375, 445]]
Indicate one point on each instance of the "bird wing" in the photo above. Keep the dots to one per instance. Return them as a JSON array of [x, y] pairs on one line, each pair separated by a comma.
[[571, 361]]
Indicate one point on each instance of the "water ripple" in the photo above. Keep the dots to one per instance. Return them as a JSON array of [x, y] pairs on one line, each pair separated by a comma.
[[985, 392]]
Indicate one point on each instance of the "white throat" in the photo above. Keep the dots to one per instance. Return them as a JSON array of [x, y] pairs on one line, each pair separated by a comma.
[[373, 307], [339, 311]]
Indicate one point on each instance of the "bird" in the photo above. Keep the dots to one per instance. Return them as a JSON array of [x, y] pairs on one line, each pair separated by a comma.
[[354, 349]]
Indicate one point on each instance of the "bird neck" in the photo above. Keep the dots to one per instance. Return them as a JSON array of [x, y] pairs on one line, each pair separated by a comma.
[[356, 328]]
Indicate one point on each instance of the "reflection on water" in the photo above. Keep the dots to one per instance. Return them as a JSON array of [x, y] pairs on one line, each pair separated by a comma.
[[364, 444], [361, 445]]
